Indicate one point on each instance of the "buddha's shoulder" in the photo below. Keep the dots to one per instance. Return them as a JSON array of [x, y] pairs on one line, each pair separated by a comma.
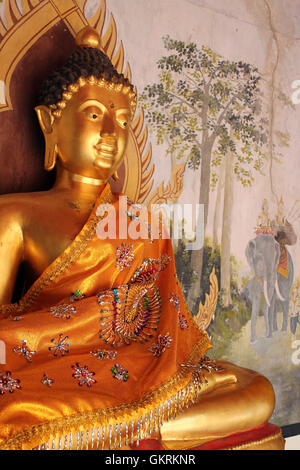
[[17, 205]]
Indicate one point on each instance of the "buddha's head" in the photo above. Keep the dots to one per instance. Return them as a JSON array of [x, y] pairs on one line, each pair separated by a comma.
[[84, 112]]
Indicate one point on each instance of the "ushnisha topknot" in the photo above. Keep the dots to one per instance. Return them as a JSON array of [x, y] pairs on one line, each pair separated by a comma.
[[88, 37], [87, 64]]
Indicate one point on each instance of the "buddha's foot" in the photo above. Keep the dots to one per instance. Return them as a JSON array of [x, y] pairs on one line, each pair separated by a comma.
[[235, 400]]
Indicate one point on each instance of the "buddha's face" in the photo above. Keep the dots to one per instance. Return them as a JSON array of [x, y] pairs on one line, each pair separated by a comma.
[[92, 132]]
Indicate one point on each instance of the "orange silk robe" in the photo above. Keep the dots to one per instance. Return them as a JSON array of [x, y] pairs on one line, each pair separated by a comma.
[[97, 343]]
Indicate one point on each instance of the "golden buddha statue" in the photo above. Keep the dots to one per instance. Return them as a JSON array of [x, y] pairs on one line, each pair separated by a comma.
[[101, 349]]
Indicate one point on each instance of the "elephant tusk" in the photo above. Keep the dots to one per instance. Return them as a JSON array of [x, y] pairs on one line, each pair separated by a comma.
[[266, 293], [278, 291]]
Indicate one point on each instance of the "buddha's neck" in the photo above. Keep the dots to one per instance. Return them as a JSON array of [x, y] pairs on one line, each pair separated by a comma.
[[80, 187]]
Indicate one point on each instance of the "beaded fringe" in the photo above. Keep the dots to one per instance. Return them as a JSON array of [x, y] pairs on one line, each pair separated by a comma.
[[124, 434]]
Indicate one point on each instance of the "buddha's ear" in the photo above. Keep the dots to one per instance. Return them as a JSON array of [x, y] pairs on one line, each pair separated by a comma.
[[45, 118], [46, 121]]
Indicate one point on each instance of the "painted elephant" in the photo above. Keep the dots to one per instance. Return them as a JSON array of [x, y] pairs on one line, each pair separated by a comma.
[[283, 296], [263, 253], [284, 235]]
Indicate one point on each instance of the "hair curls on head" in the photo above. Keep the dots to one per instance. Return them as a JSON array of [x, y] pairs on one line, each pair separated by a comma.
[[83, 63]]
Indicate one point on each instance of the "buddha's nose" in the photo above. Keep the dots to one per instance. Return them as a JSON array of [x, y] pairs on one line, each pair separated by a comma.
[[108, 126]]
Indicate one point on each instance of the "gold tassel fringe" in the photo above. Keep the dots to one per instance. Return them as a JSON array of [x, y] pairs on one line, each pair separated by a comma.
[[107, 426]]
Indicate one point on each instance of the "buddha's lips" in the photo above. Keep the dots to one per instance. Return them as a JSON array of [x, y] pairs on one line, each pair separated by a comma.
[[106, 149]]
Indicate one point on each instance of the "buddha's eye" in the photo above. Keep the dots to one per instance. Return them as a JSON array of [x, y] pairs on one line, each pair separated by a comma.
[[93, 114], [122, 121]]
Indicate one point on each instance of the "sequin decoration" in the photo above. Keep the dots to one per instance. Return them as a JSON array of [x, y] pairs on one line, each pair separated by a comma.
[[183, 324], [124, 256], [8, 384], [163, 343], [150, 269], [60, 346], [132, 215], [120, 373], [63, 311], [103, 354], [46, 381], [175, 300], [129, 313], [24, 351], [205, 364], [84, 376], [77, 295]]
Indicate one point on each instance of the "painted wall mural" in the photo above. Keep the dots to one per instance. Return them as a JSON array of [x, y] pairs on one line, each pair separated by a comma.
[[218, 125], [218, 92]]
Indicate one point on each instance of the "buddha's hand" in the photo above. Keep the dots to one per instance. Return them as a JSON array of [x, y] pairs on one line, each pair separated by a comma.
[[204, 365]]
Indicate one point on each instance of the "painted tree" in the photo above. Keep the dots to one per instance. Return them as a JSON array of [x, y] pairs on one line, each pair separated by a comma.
[[217, 209], [204, 109]]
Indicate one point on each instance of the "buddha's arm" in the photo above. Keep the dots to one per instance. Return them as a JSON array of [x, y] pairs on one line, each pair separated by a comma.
[[11, 248]]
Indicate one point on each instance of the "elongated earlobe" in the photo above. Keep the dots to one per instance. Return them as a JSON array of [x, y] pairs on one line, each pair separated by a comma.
[[46, 121], [50, 155]]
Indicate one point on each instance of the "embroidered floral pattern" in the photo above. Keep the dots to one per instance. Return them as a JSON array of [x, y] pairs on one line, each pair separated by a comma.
[[120, 373], [8, 384], [63, 311], [163, 343], [103, 354], [150, 268], [205, 364], [132, 215], [124, 256], [60, 346], [83, 375], [129, 313], [77, 295], [183, 324], [24, 351], [175, 300], [46, 381]]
